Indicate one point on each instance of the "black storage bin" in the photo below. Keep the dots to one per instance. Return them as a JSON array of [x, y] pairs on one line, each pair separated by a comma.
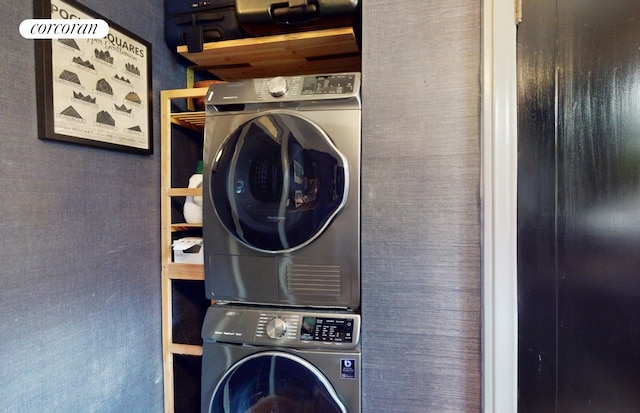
[[264, 17], [192, 23]]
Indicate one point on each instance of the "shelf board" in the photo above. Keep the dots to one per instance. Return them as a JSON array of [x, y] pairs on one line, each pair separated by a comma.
[[182, 226], [184, 192], [179, 271], [319, 51], [190, 120], [185, 349]]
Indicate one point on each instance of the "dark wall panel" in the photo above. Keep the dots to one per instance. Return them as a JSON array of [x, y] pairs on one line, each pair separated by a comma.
[[421, 301], [579, 232], [537, 245], [598, 206]]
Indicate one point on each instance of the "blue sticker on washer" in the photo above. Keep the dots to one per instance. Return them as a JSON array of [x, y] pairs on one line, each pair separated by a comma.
[[347, 368]]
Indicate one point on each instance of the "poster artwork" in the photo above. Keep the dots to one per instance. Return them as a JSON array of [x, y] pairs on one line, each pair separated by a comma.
[[99, 86]]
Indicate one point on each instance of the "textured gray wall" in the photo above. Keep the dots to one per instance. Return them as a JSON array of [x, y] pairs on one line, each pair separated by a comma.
[[421, 280], [79, 245]]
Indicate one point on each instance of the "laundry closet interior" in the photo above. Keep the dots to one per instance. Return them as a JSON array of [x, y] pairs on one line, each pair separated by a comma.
[[99, 314], [274, 131]]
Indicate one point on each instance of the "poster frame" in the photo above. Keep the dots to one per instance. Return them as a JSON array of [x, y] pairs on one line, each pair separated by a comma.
[[118, 121]]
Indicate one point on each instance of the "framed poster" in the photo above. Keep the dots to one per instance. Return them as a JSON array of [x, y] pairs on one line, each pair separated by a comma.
[[93, 91]]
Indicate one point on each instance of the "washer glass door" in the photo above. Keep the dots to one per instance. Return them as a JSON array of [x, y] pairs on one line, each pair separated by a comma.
[[277, 181], [274, 382]]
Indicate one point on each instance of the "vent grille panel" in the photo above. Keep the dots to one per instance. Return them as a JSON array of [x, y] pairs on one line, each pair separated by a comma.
[[321, 280]]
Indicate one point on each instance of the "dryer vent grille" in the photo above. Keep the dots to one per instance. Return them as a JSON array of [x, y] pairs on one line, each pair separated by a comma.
[[313, 279]]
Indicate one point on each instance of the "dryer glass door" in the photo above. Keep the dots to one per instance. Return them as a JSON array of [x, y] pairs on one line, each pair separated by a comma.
[[277, 181], [274, 382]]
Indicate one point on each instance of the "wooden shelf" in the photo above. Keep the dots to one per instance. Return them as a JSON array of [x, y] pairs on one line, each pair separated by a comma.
[[186, 349], [320, 51], [180, 271], [184, 192], [191, 120], [183, 226]]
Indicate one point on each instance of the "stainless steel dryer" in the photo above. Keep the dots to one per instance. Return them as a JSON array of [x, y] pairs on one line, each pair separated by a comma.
[[271, 360], [282, 191]]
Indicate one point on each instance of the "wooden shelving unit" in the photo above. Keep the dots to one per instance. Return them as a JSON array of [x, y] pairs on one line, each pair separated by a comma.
[[183, 299], [319, 51]]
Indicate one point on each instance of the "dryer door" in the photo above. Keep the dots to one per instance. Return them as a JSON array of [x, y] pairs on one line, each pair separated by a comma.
[[274, 382], [277, 181]]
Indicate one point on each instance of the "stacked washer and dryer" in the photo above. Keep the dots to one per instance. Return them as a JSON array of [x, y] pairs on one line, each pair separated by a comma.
[[282, 245]]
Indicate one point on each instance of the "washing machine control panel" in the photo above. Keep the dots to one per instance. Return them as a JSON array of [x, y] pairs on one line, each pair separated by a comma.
[[277, 326], [300, 329], [327, 329]]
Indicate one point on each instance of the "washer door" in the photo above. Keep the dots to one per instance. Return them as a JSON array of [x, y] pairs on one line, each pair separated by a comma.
[[277, 181], [274, 382]]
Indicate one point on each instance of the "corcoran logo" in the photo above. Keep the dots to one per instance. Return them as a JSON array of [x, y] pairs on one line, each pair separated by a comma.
[[64, 24], [64, 29]]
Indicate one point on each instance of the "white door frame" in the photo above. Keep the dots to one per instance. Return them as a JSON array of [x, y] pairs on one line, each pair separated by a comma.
[[499, 207]]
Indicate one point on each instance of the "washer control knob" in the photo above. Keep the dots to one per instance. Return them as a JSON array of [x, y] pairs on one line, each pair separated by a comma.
[[276, 328], [278, 86]]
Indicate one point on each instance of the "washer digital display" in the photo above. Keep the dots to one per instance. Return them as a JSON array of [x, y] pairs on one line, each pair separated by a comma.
[[335, 330]]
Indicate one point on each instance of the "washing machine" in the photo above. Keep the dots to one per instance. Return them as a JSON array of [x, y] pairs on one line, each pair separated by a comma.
[[280, 361], [281, 207]]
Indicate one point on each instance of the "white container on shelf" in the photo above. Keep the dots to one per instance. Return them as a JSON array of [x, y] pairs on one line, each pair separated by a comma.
[[193, 204], [188, 250]]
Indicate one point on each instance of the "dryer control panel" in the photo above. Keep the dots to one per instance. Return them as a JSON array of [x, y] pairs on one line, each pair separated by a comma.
[[335, 85], [290, 328], [279, 89]]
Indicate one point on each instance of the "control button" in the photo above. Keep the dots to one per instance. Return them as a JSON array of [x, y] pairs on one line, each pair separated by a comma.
[[278, 86], [276, 328]]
